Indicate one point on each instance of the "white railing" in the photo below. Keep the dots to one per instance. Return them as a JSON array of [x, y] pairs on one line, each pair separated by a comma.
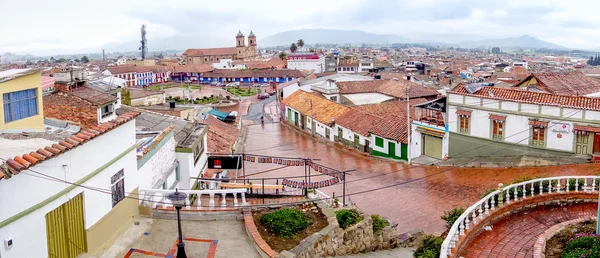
[[155, 197], [512, 193], [325, 198]]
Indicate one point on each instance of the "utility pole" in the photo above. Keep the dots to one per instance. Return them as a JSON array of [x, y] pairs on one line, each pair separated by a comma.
[[409, 125], [144, 46], [102, 55]]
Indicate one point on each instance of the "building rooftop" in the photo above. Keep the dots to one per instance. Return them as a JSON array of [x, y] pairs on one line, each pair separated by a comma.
[[15, 73], [564, 83], [323, 110], [186, 132], [139, 93], [22, 151]]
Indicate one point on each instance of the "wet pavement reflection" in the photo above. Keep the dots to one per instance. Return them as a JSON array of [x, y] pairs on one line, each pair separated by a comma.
[[413, 204]]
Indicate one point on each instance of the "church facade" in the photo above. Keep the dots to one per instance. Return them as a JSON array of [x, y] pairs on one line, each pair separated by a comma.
[[241, 51]]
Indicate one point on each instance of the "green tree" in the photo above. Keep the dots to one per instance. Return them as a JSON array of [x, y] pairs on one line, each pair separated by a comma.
[[62, 60], [300, 43], [76, 60], [282, 55], [293, 48], [84, 59], [496, 50], [52, 59]]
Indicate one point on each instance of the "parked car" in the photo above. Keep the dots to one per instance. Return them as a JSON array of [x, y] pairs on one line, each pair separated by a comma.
[[256, 85], [235, 84], [264, 85], [215, 83], [263, 96]]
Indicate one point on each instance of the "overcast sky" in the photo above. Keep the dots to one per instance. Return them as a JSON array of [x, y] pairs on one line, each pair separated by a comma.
[[75, 26]]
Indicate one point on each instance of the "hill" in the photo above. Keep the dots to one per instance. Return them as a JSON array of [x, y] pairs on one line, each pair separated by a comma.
[[524, 41], [325, 36]]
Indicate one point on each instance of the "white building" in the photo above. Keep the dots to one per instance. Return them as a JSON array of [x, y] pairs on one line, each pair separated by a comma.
[[324, 84], [429, 130], [47, 214], [224, 64], [366, 65], [306, 61], [121, 60], [520, 64], [486, 120]]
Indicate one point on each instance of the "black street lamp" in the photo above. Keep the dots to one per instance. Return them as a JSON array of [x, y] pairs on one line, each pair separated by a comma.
[[178, 199]]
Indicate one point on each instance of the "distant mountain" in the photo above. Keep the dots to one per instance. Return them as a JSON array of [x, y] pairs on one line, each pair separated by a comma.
[[324, 36], [524, 41]]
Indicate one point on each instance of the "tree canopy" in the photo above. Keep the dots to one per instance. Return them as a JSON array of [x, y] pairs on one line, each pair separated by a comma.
[[293, 47], [84, 59], [300, 43]]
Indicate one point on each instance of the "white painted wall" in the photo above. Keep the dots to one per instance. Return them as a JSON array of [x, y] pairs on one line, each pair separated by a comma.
[[550, 110], [416, 145], [315, 65], [530, 108], [187, 167], [566, 139], [472, 101], [489, 103], [511, 106], [154, 172], [454, 98], [348, 134], [592, 115], [573, 113], [29, 232], [289, 90], [386, 145], [367, 98]]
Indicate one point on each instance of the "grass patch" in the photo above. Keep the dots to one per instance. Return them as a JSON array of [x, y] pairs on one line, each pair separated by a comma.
[[243, 92], [193, 87], [164, 86]]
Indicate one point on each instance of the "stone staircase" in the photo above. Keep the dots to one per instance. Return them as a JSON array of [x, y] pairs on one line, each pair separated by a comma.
[[396, 252]]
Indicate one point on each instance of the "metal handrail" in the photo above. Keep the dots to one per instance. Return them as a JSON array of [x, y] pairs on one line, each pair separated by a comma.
[[480, 209]]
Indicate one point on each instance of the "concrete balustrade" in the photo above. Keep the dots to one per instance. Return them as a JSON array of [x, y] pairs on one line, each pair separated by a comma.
[[507, 199], [156, 197]]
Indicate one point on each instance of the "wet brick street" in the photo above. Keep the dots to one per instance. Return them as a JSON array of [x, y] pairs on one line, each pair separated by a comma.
[[413, 205]]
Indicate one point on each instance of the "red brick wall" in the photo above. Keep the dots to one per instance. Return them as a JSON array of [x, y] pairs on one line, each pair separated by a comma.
[[69, 108]]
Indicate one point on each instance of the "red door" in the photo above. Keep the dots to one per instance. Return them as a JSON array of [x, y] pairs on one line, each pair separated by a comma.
[[596, 143]]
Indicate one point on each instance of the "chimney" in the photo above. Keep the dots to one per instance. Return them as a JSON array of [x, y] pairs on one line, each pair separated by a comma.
[[61, 86]]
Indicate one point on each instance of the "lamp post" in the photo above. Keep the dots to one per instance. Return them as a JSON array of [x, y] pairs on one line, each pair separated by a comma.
[[178, 199]]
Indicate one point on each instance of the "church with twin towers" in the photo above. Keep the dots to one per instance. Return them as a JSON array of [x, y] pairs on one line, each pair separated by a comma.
[[243, 50]]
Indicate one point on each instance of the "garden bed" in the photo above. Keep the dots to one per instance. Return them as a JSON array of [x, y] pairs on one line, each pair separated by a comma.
[[318, 221], [556, 245], [243, 92]]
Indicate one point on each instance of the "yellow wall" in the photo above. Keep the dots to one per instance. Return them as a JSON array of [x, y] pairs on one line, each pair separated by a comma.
[[103, 234], [147, 62], [25, 82]]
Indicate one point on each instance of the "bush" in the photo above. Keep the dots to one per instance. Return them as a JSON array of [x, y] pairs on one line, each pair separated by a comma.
[[205, 97], [177, 98], [228, 97], [347, 218], [286, 222], [429, 248], [197, 99], [170, 97], [212, 95], [584, 245], [452, 215], [379, 223]]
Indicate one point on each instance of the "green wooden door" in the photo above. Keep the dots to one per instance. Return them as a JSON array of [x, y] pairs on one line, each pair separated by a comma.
[[583, 141], [289, 116], [356, 141], [392, 149], [296, 118], [340, 134]]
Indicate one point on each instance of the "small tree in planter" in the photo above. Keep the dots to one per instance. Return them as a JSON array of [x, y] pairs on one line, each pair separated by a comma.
[[347, 218], [452, 215]]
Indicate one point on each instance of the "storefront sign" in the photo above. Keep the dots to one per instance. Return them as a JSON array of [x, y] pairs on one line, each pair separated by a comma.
[[559, 127]]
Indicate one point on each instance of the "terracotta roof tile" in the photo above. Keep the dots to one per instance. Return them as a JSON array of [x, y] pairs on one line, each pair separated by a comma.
[[14, 166], [323, 110], [565, 83], [30, 159], [221, 136], [539, 98], [22, 161], [394, 88], [223, 51]]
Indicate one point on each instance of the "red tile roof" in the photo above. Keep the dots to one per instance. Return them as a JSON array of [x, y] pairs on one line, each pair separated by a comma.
[[540, 98], [564, 83], [394, 88], [224, 51], [221, 136], [95, 97], [397, 108], [17, 164], [321, 109]]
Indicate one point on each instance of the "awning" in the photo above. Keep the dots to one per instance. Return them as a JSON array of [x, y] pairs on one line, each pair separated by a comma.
[[218, 114], [463, 112], [497, 117], [430, 131], [538, 123], [584, 129]]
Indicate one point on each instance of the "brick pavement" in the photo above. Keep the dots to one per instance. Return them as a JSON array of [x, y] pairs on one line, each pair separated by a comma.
[[515, 236]]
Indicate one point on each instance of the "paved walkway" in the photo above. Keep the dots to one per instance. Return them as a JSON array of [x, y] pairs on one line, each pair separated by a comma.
[[397, 253], [382, 185], [157, 237], [515, 235]]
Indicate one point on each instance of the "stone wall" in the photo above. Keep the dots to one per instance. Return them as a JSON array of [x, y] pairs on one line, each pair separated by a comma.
[[334, 241]]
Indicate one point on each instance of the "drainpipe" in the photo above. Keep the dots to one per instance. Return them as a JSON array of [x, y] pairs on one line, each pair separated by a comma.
[[409, 127]]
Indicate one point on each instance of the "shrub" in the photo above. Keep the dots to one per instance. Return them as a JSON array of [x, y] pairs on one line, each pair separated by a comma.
[[452, 215], [228, 97], [212, 95], [177, 98], [197, 99], [583, 245], [347, 218], [429, 248], [379, 223], [286, 222], [170, 97], [205, 97]]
